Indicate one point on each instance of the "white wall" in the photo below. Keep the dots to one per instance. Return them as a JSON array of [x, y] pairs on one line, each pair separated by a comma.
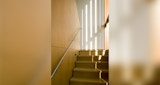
[[134, 41], [129, 31], [91, 15], [155, 32]]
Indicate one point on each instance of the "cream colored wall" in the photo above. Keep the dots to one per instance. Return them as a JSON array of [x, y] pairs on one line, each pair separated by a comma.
[[106, 29], [155, 32], [106, 9], [65, 23], [26, 42], [0, 42]]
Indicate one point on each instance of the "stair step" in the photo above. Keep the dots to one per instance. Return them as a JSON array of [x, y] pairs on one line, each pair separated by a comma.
[[91, 68], [104, 70], [92, 52], [92, 64], [104, 74], [86, 73], [90, 58], [84, 58], [85, 81], [85, 64], [103, 58], [102, 65], [84, 52]]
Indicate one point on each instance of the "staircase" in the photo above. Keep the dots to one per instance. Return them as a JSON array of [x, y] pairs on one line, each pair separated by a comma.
[[91, 68]]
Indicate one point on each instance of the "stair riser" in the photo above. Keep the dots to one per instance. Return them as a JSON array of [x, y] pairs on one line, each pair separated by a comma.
[[79, 58], [91, 53], [92, 65], [102, 59], [90, 75], [84, 53], [104, 76], [85, 72], [81, 83], [85, 65], [102, 65], [84, 58]]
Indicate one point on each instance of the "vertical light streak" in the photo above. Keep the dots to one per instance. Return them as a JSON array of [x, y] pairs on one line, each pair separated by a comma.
[[82, 30], [95, 16], [86, 23], [95, 24], [96, 52], [103, 53], [90, 45], [96, 43], [91, 18], [86, 27], [86, 46]]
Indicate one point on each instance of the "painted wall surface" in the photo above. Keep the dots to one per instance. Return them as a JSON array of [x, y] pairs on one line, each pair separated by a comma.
[[107, 28], [106, 8], [92, 17], [155, 32], [25, 42], [129, 31], [129, 42], [65, 23], [1, 42]]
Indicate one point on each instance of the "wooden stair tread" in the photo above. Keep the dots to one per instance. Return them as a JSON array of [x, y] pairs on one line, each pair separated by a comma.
[[91, 61], [87, 80], [86, 69]]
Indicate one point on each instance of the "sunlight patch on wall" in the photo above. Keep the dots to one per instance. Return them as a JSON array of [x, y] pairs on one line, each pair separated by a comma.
[[90, 45], [96, 43], [86, 46], [86, 7], [92, 37], [82, 30], [96, 52], [95, 16], [91, 18]]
